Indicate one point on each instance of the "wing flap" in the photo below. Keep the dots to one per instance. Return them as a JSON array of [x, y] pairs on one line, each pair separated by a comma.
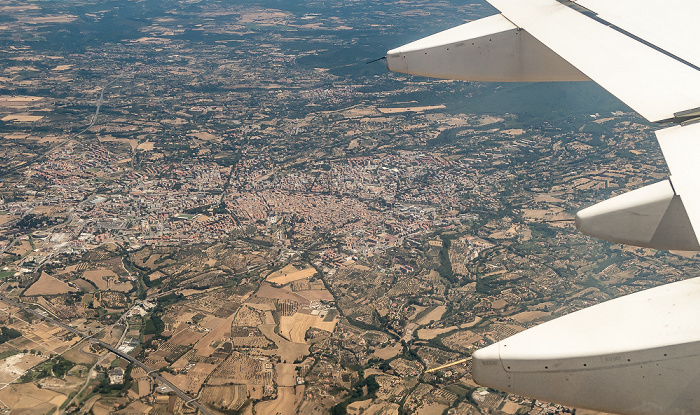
[[488, 49], [681, 149], [650, 82]]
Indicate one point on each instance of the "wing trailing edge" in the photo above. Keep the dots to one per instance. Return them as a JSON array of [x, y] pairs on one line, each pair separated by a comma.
[[545, 40], [489, 49]]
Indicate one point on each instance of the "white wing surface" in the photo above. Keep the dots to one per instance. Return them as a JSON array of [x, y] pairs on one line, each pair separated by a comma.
[[652, 83], [670, 25]]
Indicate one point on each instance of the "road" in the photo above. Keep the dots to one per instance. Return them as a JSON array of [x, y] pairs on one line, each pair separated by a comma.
[[97, 363], [100, 100], [85, 385], [8, 246], [155, 375]]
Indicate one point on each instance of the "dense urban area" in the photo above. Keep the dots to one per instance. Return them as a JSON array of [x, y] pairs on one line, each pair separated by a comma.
[[222, 208]]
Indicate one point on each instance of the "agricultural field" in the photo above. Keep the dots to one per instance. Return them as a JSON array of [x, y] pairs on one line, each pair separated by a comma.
[[207, 345], [463, 340], [12, 367], [21, 248], [100, 278], [268, 291], [528, 316], [286, 403], [316, 295], [186, 336], [225, 397], [27, 398], [48, 285], [289, 274], [427, 334], [7, 218], [294, 327], [433, 315], [243, 369], [191, 379]]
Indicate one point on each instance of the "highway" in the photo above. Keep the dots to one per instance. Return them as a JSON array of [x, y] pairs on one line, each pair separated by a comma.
[[155, 375], [100, 100]]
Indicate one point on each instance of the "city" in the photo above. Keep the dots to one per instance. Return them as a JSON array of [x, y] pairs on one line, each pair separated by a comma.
[[231, 196]]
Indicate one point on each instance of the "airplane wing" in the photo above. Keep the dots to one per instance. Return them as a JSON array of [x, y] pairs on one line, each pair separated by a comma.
[[546, 40], [642, 52], [651, 82]]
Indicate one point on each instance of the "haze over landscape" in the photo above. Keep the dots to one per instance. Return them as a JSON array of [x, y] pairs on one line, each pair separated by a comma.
[[223, 203]]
